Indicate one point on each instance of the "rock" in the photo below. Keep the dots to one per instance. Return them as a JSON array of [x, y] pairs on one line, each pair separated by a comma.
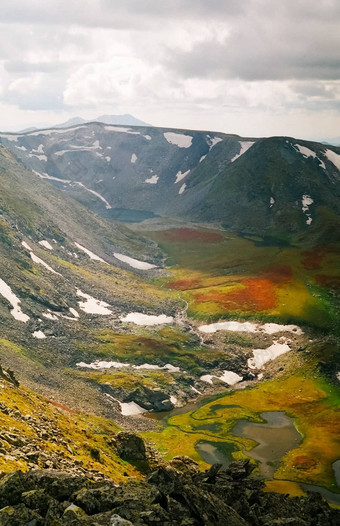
[[73, 513], [19, 515], [116, 520], [11, 488], [130, 446]]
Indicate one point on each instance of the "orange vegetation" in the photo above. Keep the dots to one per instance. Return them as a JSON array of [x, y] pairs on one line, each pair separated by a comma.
[[257, 295]]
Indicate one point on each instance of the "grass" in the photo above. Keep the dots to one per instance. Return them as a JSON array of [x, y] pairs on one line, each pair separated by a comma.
[[309, 399], [84, 434], [233, 277]]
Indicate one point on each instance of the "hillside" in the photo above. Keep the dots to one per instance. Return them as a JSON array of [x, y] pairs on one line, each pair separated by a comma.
[[282, 186]]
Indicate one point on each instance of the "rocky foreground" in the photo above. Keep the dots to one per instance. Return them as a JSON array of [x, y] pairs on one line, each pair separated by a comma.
[[176, 493]]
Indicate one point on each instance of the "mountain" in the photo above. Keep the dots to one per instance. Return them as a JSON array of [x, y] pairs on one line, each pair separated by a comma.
[[124, 120], [210, 309], [280, 185]]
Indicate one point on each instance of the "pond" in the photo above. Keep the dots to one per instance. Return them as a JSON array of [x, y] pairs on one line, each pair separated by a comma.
[[275, 437]]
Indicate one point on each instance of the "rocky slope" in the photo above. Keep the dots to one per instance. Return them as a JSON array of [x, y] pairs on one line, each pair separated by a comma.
[[174, 494]]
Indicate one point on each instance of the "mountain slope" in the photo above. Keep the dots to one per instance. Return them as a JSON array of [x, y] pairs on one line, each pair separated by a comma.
[[280, 185]]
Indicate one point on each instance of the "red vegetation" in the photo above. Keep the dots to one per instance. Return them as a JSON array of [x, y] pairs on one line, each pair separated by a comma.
[[257, 295], [184, 284], [188, 234], [277, 273], [59, 406], [330, 282], [312, 259], [304, 463]]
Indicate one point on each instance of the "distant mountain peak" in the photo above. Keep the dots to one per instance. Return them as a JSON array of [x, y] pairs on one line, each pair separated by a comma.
[[125, 120]]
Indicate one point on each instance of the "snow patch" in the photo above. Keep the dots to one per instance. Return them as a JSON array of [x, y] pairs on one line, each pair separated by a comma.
[[134, 158], [271, 202], [152, 180], [147, 137], [180, 176], [333, 157], [131, 408], [202, 158], [45, 244], [144, 319], [245, 145], [212, 141], [306, 202], [306, 152], [179, 139], [262, 356], [247, 326], [39, 334], [6, 292], [37, 260], [121, 129], [181, 190], [90, 254], [228, 377], [92, 305], [74, 312], [135, 263]]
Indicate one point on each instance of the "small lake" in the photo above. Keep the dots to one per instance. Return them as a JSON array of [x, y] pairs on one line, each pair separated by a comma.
[[275, 437]]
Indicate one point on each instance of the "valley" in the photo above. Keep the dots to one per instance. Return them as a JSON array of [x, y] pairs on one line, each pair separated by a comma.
[[214, 298]]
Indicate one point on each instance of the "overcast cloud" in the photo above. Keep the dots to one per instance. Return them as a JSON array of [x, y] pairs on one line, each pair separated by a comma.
[[255, 67]]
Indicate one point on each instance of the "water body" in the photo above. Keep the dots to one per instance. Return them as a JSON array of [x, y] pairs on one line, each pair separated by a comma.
[[275, 437], [216, 452], [127, 215]]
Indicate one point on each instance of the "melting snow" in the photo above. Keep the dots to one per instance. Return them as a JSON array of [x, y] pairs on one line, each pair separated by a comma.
[[144, 319], [245, 145], [212, 141], [93, 306], [37, 260], [333, 157], [181, 190], [306, 152], [131, 408], [50, 316], [134, 158], [271, 202], [228, 377], [58, 130], [135, 263], [173, 399], [338, 375], [306, 202], [147, 137], [107, 204], [179, 139], [100, 364], [180, 176], [152, 180], [46, 244], [74, 312], [39, 334], [262, 356], [247, 326], [108, 158], [121, 129], [90, 254], [7, 293], [202, 158]]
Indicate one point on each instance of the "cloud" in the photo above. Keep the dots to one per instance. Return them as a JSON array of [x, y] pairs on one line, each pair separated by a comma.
[[170, 61]]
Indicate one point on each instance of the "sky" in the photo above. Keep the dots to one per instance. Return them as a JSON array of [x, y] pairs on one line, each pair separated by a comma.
[[250, 67]]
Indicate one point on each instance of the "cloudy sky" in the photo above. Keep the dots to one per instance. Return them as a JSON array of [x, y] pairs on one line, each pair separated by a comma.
[[252, 67]]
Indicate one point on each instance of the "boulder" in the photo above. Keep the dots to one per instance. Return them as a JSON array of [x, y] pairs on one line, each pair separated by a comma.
[[130, 446]]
